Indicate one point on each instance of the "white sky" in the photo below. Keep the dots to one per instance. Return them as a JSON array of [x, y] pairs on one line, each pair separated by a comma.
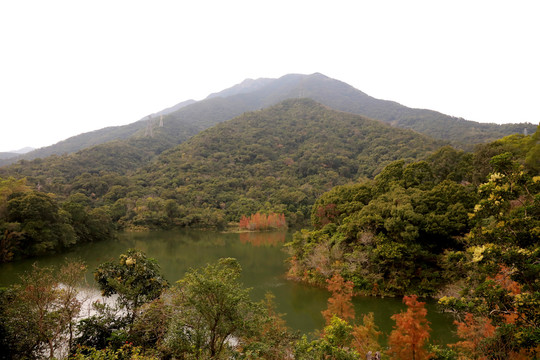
[[68, 67]]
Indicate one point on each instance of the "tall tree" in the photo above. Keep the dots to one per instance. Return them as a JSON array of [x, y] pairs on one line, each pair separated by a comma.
[[334, 344], [211, 307], [501, 260], [340, 303], [411, 332]]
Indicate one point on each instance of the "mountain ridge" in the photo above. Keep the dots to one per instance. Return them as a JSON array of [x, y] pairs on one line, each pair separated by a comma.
[[189, 117]]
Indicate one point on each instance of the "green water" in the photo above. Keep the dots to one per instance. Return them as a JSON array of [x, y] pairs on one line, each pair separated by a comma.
[[263, 261]]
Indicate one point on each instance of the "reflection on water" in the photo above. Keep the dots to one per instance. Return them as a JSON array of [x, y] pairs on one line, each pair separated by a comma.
[[263, 262], [263, 238]]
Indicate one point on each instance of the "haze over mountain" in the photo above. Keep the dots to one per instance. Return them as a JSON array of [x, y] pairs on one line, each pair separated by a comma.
[[13, 153], [188, 118]]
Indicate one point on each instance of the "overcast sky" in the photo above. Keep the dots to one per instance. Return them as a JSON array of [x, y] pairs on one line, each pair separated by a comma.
[[68, 67]]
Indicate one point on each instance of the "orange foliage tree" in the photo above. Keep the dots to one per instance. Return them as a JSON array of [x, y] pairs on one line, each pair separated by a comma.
[[411, 332], [260, 221], [362, 338], [339, 304], [474, 331]]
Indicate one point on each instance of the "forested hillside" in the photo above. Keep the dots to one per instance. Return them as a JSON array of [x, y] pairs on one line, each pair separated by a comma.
[[278, 159], [148, 127], [341, 96], [7, 155], [414, 226]]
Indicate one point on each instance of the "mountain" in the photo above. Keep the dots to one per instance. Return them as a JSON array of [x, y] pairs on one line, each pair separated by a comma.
[[188, 118], [24, 150], [82, 141], [341, 96], [93, 138]]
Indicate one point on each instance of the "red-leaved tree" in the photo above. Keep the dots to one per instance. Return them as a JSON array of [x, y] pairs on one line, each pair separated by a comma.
[[260, 221], [340, 303], [473, 331], [411, 332]]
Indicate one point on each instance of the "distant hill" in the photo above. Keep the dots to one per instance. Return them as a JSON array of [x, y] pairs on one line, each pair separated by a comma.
[[188, 118], [24, 150], [14, 153], [257, 94], [93, 138], [8, 155], [341, 96]]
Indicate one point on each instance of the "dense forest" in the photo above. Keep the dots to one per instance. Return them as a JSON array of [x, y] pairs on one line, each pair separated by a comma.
[[395, 234]]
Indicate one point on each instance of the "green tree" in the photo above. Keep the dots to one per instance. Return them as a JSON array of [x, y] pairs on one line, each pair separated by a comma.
[[501, 264], [135, 278], [273, 340], [211, 307], [335, 343], [106, 327], [125, 352], [45, 227], [151, 324], [7, 187]]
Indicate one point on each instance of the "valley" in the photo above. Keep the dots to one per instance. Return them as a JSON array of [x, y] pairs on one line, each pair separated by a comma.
[[388, 202]]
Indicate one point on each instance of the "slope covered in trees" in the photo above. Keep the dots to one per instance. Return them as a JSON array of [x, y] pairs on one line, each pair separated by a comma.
[[275, 160], [278, 159], [392, 235], [125, 134], [7, 155], [34, 223]]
